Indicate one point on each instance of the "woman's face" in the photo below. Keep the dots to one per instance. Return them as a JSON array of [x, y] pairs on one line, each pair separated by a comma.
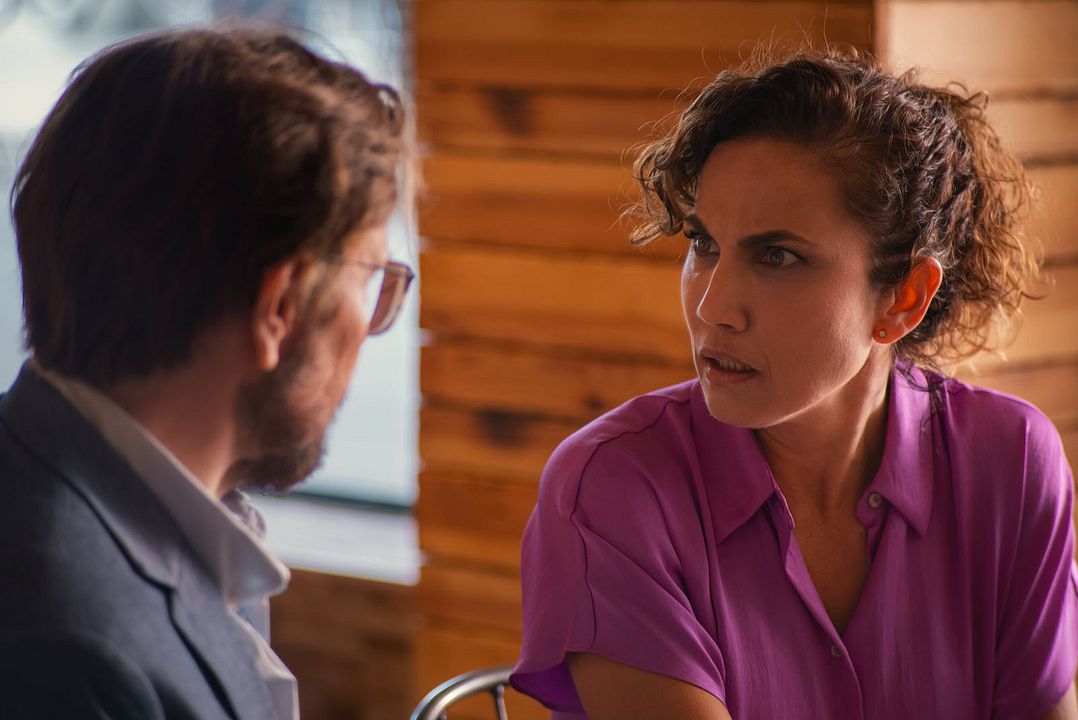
[[775, 288]]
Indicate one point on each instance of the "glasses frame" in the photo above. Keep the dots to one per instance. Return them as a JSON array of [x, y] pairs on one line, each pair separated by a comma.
[[397, 278]]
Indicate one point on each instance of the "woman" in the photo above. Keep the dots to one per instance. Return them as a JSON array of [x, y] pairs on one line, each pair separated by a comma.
[[820, 525]]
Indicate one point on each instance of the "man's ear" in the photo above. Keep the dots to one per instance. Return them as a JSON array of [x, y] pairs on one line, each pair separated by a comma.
[[909, 302], [275, 310]]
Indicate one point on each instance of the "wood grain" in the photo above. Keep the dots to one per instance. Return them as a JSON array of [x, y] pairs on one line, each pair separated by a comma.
[[492, 443], [612, 305], [473, 521], [544, 382], [571, 205], [1016, 47], [558, 122], [614, 45], [480, 597]]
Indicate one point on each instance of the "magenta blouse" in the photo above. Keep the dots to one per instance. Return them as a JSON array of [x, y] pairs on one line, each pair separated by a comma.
[[660, 540]]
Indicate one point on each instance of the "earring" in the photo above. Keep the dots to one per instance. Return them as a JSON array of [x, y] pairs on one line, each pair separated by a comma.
[[881, 333]]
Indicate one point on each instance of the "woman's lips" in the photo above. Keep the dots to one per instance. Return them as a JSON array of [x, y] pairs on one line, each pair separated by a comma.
[[722, 368]]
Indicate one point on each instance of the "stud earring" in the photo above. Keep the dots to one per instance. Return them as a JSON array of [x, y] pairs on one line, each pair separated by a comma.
[[881, 333]]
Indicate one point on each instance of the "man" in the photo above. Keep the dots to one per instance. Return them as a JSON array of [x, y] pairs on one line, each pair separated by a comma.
[[199, 221]]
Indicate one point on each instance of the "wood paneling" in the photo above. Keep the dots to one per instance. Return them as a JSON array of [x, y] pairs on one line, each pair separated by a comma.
[[550, 121], [612, 46], [1019, 47], [609, 305], [1054, 222], [490, 442], [349, 642], [1037, 129], [515, 379], [471, 520], [447, 649], [532, 202], [472, 597]]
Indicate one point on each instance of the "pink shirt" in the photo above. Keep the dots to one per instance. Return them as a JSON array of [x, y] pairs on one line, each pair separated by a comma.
[[660, 540]]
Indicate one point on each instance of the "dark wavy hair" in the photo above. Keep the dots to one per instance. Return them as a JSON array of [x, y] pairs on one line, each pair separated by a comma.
[[921, 170], [173, 172]]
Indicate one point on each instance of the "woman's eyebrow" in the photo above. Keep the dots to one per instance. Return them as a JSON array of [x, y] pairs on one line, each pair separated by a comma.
[[755, 239], [770, 236]]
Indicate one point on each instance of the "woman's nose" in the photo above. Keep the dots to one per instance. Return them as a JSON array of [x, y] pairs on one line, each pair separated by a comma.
[[723, 301]]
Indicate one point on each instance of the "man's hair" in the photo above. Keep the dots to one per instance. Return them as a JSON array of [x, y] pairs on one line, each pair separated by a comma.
[[921, 169], [173, 172]]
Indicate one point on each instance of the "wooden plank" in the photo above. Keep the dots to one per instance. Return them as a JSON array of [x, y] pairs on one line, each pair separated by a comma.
[[349, 642], [473, 521], [615, 305], [608, 45], [606, 125], [1037, 128], [467, 596], [1055, 218], [445, 650], [491, 443], [532, 202], [1016, 46], [1048, 325], [515, 379], [612, 305], [1070, 445]]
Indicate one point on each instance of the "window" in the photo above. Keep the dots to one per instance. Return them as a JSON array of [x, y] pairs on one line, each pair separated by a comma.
[[372, 445]]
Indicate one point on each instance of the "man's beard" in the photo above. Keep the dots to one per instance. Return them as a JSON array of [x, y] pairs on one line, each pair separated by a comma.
[[270, 422]]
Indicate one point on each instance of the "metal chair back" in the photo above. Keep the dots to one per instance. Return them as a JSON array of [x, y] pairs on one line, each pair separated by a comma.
[[492, 680]]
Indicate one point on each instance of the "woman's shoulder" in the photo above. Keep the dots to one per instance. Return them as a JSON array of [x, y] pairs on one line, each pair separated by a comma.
[[623, 449], [988, 414]]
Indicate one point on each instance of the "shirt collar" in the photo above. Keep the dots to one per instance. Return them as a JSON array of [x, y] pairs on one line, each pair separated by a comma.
[[226, 534], [733, 464], [906, 474]]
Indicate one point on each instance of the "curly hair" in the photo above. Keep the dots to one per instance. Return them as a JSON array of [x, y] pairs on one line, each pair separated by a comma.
[[920, 168], [173, 172]]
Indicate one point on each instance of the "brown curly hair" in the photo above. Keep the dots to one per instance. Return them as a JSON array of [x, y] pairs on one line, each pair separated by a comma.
[[920, 167]]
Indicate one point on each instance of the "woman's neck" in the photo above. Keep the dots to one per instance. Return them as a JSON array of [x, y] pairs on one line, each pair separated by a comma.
[[825, 458]]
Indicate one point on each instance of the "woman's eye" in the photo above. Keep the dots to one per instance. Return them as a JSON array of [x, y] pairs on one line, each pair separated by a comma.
[[701, 244], [778, 257]]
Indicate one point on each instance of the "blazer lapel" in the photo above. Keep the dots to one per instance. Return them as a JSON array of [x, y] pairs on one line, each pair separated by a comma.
[[46, 423]]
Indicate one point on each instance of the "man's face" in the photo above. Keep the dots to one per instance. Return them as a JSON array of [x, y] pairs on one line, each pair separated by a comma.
[[284, 416]]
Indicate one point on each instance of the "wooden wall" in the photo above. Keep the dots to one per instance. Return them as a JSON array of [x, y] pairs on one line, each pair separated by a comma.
[[1023, 53], [349, 642], [539, 315]]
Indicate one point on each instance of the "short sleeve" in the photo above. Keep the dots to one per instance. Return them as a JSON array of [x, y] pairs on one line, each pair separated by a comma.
[[602, 574], [1037, 638]]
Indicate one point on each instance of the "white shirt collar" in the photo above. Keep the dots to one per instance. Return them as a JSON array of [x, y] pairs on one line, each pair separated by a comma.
[[226, 534]]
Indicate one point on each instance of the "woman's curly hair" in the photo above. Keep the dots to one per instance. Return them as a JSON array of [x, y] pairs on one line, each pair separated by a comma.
[[921, 170]]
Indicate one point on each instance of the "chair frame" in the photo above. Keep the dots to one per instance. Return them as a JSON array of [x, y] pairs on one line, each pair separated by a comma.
[[492, 680]]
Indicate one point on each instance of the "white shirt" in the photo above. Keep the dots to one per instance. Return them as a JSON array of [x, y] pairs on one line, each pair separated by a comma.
[[226, 534]]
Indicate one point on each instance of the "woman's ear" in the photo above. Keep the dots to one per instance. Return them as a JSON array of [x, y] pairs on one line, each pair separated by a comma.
[[275, 310], [910, 301]]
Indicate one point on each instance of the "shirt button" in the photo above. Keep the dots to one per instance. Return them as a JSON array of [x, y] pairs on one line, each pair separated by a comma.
[[835, 651], [874, 500]]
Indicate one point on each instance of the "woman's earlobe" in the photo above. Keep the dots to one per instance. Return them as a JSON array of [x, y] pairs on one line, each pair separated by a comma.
[[912, 297]]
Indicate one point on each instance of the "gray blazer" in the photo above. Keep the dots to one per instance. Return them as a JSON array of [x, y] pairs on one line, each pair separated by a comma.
[[104, 609]]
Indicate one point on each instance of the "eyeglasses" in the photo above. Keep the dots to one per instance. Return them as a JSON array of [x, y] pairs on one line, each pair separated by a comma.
[[386, 289]]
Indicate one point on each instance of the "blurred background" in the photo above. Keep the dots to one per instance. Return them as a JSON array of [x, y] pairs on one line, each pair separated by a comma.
[[535, 315]]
